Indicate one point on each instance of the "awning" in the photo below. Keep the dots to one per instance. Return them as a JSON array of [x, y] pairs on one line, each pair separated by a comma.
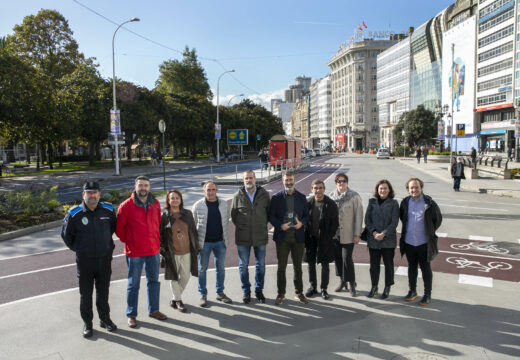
[[492, 132]]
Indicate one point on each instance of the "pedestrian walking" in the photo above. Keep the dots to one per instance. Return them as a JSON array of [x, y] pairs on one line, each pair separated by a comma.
[[381, 220], [457, 173], [418, 154], [289, 213], [420, 217], [87, 230], [425, 154], [319, 234], [179, 246], [211, 215], [264, 158], [473, 156], [139, 219], [250, 214], [510, 153], [154, 158], [350, 208]]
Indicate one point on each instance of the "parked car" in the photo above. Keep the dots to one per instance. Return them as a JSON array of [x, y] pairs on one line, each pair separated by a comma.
[[317, 152], [383, 153]]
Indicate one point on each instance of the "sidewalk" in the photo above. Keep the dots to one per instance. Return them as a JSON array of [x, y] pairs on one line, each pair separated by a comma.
[[510, 188], [49, 327], [79, 177]]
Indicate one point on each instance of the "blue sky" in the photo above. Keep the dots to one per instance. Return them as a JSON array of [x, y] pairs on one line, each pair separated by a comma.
[[268, 43]]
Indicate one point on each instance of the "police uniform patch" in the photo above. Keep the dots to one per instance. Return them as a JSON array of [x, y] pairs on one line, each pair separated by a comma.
[[84, 221]]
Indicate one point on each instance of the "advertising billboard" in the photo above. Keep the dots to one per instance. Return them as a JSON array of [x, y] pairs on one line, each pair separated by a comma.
[[458, 76]]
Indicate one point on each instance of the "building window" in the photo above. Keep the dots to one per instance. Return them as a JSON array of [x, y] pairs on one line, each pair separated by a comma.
[[493, 68], [498, 35], [492, 99], [496, 20], [495, 83], [493, 7], [497, 51]]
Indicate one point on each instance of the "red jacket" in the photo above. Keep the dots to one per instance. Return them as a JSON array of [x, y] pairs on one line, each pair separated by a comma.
[[138, 228]]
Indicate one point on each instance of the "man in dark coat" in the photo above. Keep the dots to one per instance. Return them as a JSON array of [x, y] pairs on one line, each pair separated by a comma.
[[319, 231], [457, 173], [289, 213], [87, 230], [421, 217]]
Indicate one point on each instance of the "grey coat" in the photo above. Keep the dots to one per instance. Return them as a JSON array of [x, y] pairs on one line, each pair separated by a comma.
[[382, 218], [350, 207], [250, 219]]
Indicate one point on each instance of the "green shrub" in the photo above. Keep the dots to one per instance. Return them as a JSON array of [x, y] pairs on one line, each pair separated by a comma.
[[515, 172], [399, 151], [29, 202]]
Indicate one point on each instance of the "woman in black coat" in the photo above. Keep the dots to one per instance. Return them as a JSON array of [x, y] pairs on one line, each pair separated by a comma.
[[457, 173], [381, 219]]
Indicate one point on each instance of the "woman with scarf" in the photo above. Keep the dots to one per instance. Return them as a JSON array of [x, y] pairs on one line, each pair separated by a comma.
[[350, 208], [178, 238]]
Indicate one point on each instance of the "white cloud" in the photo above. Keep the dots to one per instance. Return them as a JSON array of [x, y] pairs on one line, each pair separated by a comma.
[[261, 99]]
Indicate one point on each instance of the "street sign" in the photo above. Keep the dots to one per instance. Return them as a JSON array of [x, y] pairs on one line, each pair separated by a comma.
[[461, 129], [162, 126], [112, 138], [237, 137], [258, 137], [218, 131], [517, 128]]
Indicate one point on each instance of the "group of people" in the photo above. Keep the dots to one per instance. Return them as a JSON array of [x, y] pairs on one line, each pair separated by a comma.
[[319, 230]]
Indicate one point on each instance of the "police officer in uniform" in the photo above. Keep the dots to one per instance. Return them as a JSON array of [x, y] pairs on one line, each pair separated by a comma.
[[87, 230]]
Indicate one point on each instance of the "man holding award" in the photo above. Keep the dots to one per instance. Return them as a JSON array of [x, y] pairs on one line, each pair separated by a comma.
[[289, 213]]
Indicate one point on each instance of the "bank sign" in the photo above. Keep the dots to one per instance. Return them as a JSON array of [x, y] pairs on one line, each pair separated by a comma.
[[237, 137]]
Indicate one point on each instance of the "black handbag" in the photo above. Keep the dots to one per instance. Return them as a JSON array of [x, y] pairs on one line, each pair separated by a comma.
[[364, 234]]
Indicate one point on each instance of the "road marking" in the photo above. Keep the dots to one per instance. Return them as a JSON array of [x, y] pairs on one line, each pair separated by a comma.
[[475, 280], [403, 270], [480, 238], [442, 235], [46, 269], [40, 253], [473, 207]]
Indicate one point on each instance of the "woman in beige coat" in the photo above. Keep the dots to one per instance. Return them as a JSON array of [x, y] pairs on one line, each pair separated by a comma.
[[350, 208]]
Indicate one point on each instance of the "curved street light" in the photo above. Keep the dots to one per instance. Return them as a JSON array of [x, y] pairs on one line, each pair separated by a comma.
[[218, 124], [116, 143], [229, 102]]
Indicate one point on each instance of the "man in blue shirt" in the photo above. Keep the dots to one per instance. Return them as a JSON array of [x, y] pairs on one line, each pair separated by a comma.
[[421, 217]]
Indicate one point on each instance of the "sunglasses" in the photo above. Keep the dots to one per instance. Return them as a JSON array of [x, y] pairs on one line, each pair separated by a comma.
[[341, 182]]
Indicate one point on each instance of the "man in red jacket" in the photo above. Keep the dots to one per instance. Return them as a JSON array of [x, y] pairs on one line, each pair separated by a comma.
[[138, 219]]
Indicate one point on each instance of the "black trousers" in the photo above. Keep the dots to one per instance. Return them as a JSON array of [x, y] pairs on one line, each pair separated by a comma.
[[94, 271], [312, 253], [375, 260], [289, 245], [418, 256], [344, 263]]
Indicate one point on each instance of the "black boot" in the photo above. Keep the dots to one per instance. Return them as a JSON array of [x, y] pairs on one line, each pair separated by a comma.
[[373, 292], [340, 286], [353, 292], [386, 292]]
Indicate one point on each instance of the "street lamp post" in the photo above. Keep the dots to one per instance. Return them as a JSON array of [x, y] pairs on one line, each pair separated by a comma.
[[450, 120], [441, 111], [239, 95], [162, 129], [116, 142], [404, 134], [218, 123]]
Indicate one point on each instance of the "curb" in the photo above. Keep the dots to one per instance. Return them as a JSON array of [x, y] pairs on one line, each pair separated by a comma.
[[29, 230], [463, 186]]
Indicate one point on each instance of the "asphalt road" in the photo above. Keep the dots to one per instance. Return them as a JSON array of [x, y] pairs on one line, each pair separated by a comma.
[[471, 244]]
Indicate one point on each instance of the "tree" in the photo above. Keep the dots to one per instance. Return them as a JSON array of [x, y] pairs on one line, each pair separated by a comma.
[[84, 98], [421, 127], [45, 41], [185, 76]]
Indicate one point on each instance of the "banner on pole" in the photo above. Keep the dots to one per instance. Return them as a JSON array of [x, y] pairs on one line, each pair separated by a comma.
[[115, 122]]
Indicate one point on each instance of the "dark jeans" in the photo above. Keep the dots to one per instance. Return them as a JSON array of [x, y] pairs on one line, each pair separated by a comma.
[[344, 263], [375, 260], [418, 255], [94, 271], [456, 183], [311, 259], [283, 248]]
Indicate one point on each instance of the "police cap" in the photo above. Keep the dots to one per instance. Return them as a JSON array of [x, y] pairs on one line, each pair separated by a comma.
[[91, 186]]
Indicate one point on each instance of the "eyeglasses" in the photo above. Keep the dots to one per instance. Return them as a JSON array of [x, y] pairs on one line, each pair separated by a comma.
[[341, 181]]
